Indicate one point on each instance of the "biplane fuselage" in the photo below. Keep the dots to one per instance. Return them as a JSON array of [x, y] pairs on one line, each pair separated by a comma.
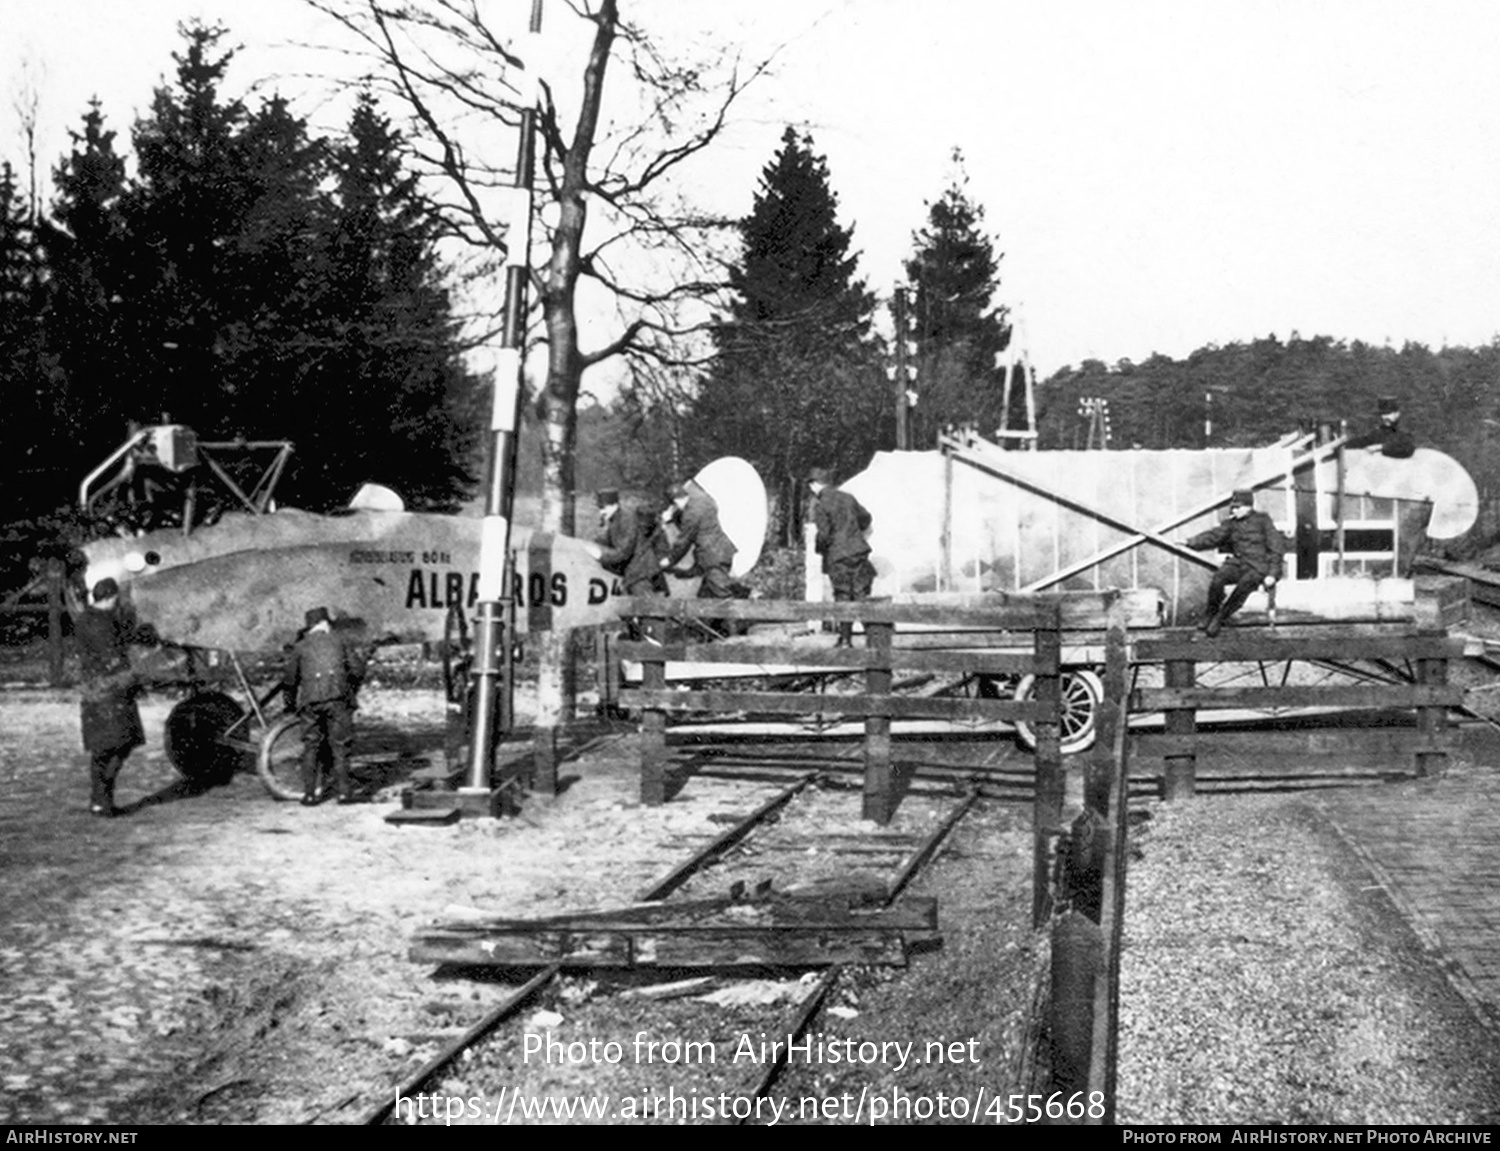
[[244, 583]]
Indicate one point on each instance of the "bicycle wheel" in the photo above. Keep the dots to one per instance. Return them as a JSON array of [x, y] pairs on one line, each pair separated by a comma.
[[279, 763]]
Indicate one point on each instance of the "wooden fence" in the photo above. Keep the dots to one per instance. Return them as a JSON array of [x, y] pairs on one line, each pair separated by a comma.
[[1026, 636], [43, 595], [1408, 671]]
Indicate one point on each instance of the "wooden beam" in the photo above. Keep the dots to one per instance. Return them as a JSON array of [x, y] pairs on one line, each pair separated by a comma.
[[653, 731], [1390, 742], [1267, 698], [823, 657], [1142, 607], [808, 947], [879, 802], [1274, 647], [848, 706], [1021, 613], [1432, 721], [1051, 780], [803, 931], [832, 912]]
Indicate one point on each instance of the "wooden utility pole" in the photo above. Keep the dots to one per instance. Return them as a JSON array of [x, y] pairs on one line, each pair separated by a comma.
[[903, 375]]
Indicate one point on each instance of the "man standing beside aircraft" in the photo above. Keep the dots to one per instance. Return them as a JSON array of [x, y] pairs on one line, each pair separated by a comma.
[[1255, 550], [627, 545], [698, 527], [842, 522], [110, 719], [322, 678]]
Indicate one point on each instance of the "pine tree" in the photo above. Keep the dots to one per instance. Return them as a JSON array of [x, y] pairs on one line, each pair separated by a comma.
[[31, 424], [393, 389], [796, 382], [182, 215], [958, 330], [255, 282]]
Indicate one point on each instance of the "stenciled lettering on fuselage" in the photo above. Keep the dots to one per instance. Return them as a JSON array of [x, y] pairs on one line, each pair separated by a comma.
[[432, 583]]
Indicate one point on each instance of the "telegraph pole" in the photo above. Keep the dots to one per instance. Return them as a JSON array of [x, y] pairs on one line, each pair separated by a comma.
[[494, 625], [903, 400]]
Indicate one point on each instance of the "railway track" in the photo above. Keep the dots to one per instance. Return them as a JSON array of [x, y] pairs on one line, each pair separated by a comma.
[[798, 840]]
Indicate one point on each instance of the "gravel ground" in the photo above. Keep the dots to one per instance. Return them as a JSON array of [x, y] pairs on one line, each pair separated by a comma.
[[1266, 978], [224, 958]]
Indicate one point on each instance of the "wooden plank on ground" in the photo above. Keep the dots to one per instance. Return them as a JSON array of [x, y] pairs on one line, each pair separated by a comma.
[[807, 931], [424, 816], [832, 912], [724, 948]]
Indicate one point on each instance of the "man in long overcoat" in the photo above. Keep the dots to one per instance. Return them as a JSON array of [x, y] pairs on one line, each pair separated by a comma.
[[842, 522], [109, 717], [322, 678], [1255, 550]]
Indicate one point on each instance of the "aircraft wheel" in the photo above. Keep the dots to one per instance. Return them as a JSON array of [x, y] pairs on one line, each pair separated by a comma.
[[280, 760], [193, 734], [1081, 692], [458, 655]]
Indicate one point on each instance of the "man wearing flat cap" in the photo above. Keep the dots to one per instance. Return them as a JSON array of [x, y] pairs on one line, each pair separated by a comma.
[[110, 719], [1388, 439], [322, 678], [842, 522], [1255, 550]]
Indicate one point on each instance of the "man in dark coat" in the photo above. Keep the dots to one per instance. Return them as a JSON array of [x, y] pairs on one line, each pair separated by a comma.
[[631, 545], [1388, 439], [1255, 550], [842, 522], [698, 527], [323, 674], [109, 717]]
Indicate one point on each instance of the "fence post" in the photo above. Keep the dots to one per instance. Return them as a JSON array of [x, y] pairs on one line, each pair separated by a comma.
[[1180, 781], [879, 798], [1051, 784], [1101, 767], [1432, 722], [653, 723]]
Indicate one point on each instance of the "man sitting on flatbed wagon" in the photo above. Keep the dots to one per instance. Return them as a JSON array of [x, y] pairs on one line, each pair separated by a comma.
[[1255, 550]]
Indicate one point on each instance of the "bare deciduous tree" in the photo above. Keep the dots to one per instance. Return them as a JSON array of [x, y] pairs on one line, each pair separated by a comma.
[[619, 242]]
